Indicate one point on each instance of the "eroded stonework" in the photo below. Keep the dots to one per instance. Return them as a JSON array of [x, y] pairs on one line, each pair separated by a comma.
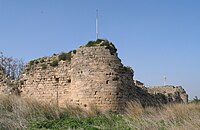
[[173, 93], [92, 75]]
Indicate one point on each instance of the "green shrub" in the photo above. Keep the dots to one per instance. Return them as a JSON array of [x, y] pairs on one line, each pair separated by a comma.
[[91, 43], [62, 56], [44, 66], [106, 43], [195, 100], [94, 43], [69, 56], [65, 56], [128, 69], [41, 60], [54, 63], [74, 51], [31, 62], [36, 61], [98, 41], [110, 46], [98, 122]]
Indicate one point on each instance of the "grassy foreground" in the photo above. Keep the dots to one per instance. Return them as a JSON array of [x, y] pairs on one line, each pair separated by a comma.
[[18, 114]]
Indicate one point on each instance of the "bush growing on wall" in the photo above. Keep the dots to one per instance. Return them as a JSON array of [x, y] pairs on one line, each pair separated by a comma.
[[36, 61], [65, 56], [44, 66], [74, 51], [31, 62], [62, 56], [91, 43], [109, 46], [41, 60], [54, 63], [94, 43], [102, 42]]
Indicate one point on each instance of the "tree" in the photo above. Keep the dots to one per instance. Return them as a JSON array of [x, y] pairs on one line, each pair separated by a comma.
[[195, 100], [11, 67]]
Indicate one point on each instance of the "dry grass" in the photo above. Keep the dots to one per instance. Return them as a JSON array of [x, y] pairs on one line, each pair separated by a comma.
[[17, 113], [169, 117]]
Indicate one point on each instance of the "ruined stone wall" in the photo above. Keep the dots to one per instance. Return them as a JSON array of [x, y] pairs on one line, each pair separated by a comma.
[[89, 76], [173, 93], [139, 84], [93, 77], [49, 84]]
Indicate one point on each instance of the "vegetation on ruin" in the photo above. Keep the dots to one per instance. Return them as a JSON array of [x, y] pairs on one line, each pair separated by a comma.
[[65, 56], [18, 113], [74, 51], [102, 42], [94, 43], [52, 61], [44, 66], [128, 69], [31, 62]]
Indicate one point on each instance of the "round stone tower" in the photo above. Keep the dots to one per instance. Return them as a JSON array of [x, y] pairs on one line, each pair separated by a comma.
[[98, 78]]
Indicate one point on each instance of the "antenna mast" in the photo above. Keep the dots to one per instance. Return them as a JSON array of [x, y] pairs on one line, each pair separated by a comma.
[[97, 17], [165, 79]]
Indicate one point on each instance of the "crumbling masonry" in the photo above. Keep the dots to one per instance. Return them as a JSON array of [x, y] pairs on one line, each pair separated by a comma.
[[92, 75]]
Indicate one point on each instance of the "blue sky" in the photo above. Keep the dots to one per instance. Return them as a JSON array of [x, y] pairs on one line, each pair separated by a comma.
[[156, 38]]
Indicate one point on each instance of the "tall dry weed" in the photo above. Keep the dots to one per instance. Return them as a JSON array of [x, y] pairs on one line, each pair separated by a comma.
[[134, 109], [168, 117], [15, 112]]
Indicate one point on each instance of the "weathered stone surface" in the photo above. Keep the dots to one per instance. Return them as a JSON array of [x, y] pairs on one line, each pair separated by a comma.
[[173, 93], [92, 75], [48, 85]]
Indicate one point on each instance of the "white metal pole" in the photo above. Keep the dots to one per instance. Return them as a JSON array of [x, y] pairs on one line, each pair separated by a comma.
[[165, 78], [97, 33]]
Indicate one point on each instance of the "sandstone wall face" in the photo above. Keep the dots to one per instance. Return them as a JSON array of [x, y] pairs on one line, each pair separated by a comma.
[[99, 78], [173, 93], [91, 76], [49, 85]]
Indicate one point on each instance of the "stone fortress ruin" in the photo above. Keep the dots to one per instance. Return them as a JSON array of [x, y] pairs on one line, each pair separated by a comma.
[[91, 75]]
